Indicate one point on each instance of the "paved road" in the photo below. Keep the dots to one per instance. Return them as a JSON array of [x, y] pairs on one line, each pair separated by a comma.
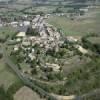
[[26, 80]]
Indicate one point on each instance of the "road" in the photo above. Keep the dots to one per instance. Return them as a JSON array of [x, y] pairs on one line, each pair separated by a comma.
[[25, 80]]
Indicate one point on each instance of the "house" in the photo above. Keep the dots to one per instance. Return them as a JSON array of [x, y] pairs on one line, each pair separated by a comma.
[[81, 49], [18, 40], [26, 23], [16, 48], [14, 24], [55, 67], [31, 56], [84, 9], [71, 39], [26, 42], [60, 97], [22, 31], [21, 34], [1, 25]]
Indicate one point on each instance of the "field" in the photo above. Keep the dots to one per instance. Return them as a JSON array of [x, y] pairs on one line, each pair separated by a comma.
[[26, 93], [74, 62], [44, 9], [10, 11], [4, 31], [94, 40], [7, 77], [88, 23]]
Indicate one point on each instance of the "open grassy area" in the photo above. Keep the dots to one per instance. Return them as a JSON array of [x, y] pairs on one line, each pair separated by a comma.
[[94, 40], [7, 77], [45, 9], [27, 94], [4, 31], [74, 62], [88, 23]]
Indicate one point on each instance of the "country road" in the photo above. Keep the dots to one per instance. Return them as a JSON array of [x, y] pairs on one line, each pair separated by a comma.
[[25, 80]]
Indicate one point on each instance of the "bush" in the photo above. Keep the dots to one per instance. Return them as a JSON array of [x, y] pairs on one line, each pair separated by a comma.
[[1, 55]]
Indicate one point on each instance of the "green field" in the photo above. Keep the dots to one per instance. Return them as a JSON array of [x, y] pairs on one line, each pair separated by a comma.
[[7, 77], [47, 9], [44, 9], [90, 23], [4, 31], [94, 40]]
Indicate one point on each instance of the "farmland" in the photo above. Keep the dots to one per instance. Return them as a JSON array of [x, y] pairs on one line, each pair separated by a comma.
[[7, 31], [88, 23], [27, 93], [46, 60], [7, 77], [45, 9], [94, 40]]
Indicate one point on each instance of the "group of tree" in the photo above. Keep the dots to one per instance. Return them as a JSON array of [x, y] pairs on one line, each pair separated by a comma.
[[84, 79], [58, 10], [88, 45], [32, 32]]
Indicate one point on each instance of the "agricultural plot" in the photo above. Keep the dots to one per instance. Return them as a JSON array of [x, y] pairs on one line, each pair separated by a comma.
[[4, 31], [45, 9], [7, 77], [88, 23], [18, 7], [74, 62], [94, 40], [26, 93]]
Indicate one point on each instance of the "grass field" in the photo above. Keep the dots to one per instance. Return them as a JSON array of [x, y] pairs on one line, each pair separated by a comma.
[[89, 23], [94, 40], [7, 77], [45, 9], [4, 31], [27, 94]]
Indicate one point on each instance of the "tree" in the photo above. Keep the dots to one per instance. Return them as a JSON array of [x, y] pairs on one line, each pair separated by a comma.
[[34, 71], [82, 13], [31, 31], [57, 10], [1, 55]]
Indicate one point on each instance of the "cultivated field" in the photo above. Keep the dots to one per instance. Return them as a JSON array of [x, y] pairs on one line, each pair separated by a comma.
[[26, 93], [7, 77], [44, 9], [89, 23], [94, 40], [4, 31]]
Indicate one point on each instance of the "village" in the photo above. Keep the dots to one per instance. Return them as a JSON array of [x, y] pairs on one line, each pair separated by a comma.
[[49, 50], [37, 49]]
